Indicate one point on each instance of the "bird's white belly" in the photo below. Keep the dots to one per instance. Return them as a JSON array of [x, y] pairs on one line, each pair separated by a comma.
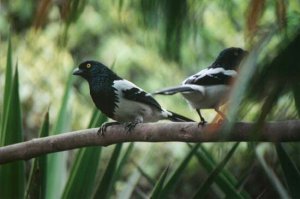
[[129, 111], [212, 97]]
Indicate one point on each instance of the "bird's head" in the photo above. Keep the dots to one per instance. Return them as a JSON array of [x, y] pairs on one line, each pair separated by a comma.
[[88, 69], [230, 58]]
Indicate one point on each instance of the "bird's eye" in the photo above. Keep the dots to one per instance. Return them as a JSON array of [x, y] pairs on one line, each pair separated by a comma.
[[88, 65]]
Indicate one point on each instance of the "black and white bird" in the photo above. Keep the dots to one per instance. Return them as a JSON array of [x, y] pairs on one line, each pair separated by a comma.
[[120, 99], [209, 88]]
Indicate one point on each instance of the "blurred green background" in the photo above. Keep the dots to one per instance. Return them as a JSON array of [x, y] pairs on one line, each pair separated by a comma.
[[154, 44]]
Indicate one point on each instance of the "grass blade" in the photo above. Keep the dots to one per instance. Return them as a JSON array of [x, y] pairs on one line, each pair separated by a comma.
[[214, 174], [106, 183], [225, 180], [12, 176], [144, 174], [7, 89], [172, 182], [226, 173], [84, 169], [260, 152], [291, 173], [57, 163], [36, 187], [159, 184]]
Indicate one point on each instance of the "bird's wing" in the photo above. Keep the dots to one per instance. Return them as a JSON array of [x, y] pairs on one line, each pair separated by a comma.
[[211, 76], [181, 89], [131, 92]]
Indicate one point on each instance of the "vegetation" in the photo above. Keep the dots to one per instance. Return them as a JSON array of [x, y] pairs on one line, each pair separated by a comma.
[[155, 44]]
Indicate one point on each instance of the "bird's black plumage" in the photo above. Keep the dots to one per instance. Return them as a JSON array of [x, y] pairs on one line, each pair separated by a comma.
[[138, 95], [100, 80], [120, 99], [209, 87]]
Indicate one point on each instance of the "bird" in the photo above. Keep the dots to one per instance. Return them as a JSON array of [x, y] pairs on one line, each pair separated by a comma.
[[209, 88], [120, 99]]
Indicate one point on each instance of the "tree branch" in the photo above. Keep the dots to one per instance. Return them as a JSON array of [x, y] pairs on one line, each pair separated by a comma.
[[283, 131]]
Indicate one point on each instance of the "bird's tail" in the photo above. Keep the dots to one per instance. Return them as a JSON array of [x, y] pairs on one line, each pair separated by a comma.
[[178, 118], [180, 89]]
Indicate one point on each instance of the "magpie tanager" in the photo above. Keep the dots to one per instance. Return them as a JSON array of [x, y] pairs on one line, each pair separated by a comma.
[[209, 88], [120, 99]]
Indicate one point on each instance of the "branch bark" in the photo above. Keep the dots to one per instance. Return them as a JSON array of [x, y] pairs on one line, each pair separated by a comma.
[[284, 131]]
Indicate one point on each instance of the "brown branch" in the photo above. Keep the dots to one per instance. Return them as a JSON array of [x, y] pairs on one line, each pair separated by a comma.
[[283, 131]]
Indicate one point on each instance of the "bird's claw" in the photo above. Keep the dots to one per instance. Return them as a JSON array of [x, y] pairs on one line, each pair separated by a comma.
[[202, 123], [102, 129], [104, 126], [130, 126]]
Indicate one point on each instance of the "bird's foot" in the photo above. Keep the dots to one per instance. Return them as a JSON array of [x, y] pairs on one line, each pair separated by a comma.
[[131, 125], [104, 126], [202, 123]]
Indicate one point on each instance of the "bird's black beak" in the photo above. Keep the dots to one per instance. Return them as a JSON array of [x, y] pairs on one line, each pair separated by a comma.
[[77, 71]]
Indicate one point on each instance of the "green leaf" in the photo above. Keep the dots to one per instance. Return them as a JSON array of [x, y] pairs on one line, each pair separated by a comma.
[[36, 187], [106, 183], [132, 180], [225, 180], [84, 169], [97, 119], [120, 166], [7, 89], [82, 176], [214, 174], [159, 184], [57, 163], [123, 162], [12, 175], [144, 174], [291, 172], [230, 178], [172, 182]]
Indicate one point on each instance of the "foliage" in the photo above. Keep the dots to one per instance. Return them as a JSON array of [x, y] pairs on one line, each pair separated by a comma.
[[154, 43]]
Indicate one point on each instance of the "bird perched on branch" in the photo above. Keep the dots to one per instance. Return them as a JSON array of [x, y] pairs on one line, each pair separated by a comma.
[[210, 87], [120, 99]]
